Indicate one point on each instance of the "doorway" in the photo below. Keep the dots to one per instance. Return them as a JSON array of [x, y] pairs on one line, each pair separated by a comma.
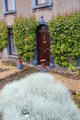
[[43, 44]]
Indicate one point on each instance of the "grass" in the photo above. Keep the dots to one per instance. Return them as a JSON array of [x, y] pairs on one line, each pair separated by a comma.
[[77, 96], [76, 99], [0, 116]]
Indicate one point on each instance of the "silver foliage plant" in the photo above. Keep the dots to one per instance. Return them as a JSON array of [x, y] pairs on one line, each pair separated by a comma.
[[37, 97]]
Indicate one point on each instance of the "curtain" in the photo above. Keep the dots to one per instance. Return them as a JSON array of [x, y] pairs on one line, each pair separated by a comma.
[[42, 1], [11, 5]]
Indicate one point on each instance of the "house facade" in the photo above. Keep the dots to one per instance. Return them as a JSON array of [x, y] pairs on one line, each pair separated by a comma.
[[43, 10]]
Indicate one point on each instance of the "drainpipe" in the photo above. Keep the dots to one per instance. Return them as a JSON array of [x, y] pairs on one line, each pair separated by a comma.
[[51, 65]]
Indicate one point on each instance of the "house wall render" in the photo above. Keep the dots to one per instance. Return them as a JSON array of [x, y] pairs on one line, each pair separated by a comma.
[[24, 8]]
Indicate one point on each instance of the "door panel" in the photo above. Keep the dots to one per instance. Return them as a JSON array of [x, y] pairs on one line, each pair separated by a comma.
[[43, 42]]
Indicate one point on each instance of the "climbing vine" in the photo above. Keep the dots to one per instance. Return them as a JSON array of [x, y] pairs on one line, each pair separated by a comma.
[[3, 35], [65, 33], [24, 30]]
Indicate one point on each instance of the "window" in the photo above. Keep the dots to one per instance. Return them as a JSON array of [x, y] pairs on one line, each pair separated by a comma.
[[11, 46], [41, 3], [9, 6]]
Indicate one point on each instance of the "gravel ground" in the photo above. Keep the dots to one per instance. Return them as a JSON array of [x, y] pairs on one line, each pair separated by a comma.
[[6, 70], [10, 73], [18, 75], [27, 71]]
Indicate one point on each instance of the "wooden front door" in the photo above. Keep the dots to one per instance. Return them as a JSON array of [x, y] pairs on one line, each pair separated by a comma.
[[43, 43]]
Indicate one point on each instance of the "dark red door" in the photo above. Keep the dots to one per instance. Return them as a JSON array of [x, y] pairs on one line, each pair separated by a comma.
[[43, 42]]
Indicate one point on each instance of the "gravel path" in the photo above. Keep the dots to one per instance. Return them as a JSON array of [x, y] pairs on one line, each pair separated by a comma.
[[72, 84], [9, 73], [6, 70], [17, 75]]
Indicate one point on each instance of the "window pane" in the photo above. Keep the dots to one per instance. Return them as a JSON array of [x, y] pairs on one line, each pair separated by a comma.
[[6, 5], [13, 49], [42, 2], [11, 5]]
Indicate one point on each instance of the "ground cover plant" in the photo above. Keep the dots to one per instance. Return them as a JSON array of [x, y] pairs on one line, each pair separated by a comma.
[[65, 34], [37, 97]]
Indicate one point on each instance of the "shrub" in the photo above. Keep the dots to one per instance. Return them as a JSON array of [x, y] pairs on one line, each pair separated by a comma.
[[3, 35], [37, 97], [65, 33], [24, 30]]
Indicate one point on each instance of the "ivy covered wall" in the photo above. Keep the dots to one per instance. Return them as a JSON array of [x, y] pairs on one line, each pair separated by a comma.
[[24, 30], [65, 33], [3, 35]]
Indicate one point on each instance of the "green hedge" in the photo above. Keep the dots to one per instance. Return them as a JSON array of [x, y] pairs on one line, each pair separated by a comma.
[[3, 35], [65, 33], [24, 37]]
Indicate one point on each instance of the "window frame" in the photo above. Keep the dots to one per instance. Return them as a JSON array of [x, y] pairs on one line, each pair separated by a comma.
[[5, 9], [35, 6]]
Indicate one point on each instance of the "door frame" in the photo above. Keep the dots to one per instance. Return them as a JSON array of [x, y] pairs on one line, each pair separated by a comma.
[[35, 61]]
